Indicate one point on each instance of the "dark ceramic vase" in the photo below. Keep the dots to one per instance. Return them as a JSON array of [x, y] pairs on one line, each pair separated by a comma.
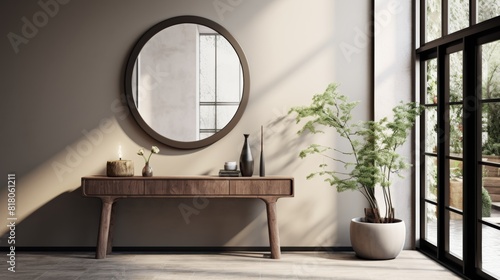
[[246, 159], [147, 171]]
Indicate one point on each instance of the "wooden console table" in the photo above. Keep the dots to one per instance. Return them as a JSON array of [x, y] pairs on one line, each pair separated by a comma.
[[109, 189]]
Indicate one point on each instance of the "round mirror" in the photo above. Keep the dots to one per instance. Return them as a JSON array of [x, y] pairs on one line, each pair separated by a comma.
[[187, 82]]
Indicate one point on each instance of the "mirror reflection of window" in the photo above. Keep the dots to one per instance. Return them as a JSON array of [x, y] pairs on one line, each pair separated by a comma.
[[187, 82], [220, 83]]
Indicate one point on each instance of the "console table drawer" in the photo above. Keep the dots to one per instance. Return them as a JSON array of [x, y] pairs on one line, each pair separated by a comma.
[[114, 187], [187, 187], [261, 187]]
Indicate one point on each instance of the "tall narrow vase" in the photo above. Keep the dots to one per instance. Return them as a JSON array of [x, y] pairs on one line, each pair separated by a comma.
[[246, 159], [262, 170]]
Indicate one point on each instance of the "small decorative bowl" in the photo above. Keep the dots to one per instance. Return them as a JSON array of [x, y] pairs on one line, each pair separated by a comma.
[[230, 165]]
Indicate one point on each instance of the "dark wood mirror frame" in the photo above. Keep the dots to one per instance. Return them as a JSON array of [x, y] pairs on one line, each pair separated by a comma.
[[129, 72]]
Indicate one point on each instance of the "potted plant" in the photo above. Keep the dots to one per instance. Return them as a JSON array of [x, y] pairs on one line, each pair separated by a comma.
[[372, 160]]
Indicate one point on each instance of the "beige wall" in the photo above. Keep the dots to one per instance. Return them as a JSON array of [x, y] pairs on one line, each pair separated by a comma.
[[393, 83], [62, 119]]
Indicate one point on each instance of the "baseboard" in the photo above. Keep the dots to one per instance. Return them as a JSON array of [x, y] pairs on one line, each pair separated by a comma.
[[179, 249]]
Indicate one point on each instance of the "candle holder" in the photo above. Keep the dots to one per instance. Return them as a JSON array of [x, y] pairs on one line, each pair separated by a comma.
[[120, 168]]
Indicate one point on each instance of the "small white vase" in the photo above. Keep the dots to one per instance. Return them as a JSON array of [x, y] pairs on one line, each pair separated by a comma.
[[377, 241]]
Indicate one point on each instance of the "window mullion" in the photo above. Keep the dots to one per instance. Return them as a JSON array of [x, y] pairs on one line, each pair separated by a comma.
[[216, 70], [471, 152], [422, 87], [444, 17], [472, 12], [443, 146], [423, 7]]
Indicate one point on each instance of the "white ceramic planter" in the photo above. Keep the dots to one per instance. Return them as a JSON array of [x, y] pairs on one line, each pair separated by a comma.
[[377, 241]]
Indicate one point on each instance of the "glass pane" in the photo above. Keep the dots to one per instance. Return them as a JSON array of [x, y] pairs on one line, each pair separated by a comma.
[[225, 114], [207, 117], [490, 54], [433, 20], [205, 135], [207, 68], [456, 76], [431, 223], [487, 9], [490, 212], [490, 192], [456, 131], [491, 250], [431, 130], [431, 178], [456, 234], [492, 172], [490, 118], [458, 15], [456, 185], [228, 72], [431, 81]]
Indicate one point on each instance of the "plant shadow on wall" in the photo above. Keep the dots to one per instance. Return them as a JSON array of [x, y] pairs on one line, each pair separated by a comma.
[[275, 131], [372, 159]]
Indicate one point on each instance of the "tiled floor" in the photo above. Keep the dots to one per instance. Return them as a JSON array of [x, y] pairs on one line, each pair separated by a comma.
[[298, 265]]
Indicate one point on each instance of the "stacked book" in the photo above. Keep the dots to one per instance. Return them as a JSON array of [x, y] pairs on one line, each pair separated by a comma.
[[229, 173]]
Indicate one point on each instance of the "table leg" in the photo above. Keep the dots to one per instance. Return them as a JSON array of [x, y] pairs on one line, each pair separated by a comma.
[[109, 249], [272, 224], [102, 240]]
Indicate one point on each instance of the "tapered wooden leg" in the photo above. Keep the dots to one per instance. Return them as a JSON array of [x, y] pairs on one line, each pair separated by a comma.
[[102, 240], [272, 224], [111, 232]]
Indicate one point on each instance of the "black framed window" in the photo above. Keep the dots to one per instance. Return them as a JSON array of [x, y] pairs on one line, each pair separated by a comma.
[[459, 82]]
